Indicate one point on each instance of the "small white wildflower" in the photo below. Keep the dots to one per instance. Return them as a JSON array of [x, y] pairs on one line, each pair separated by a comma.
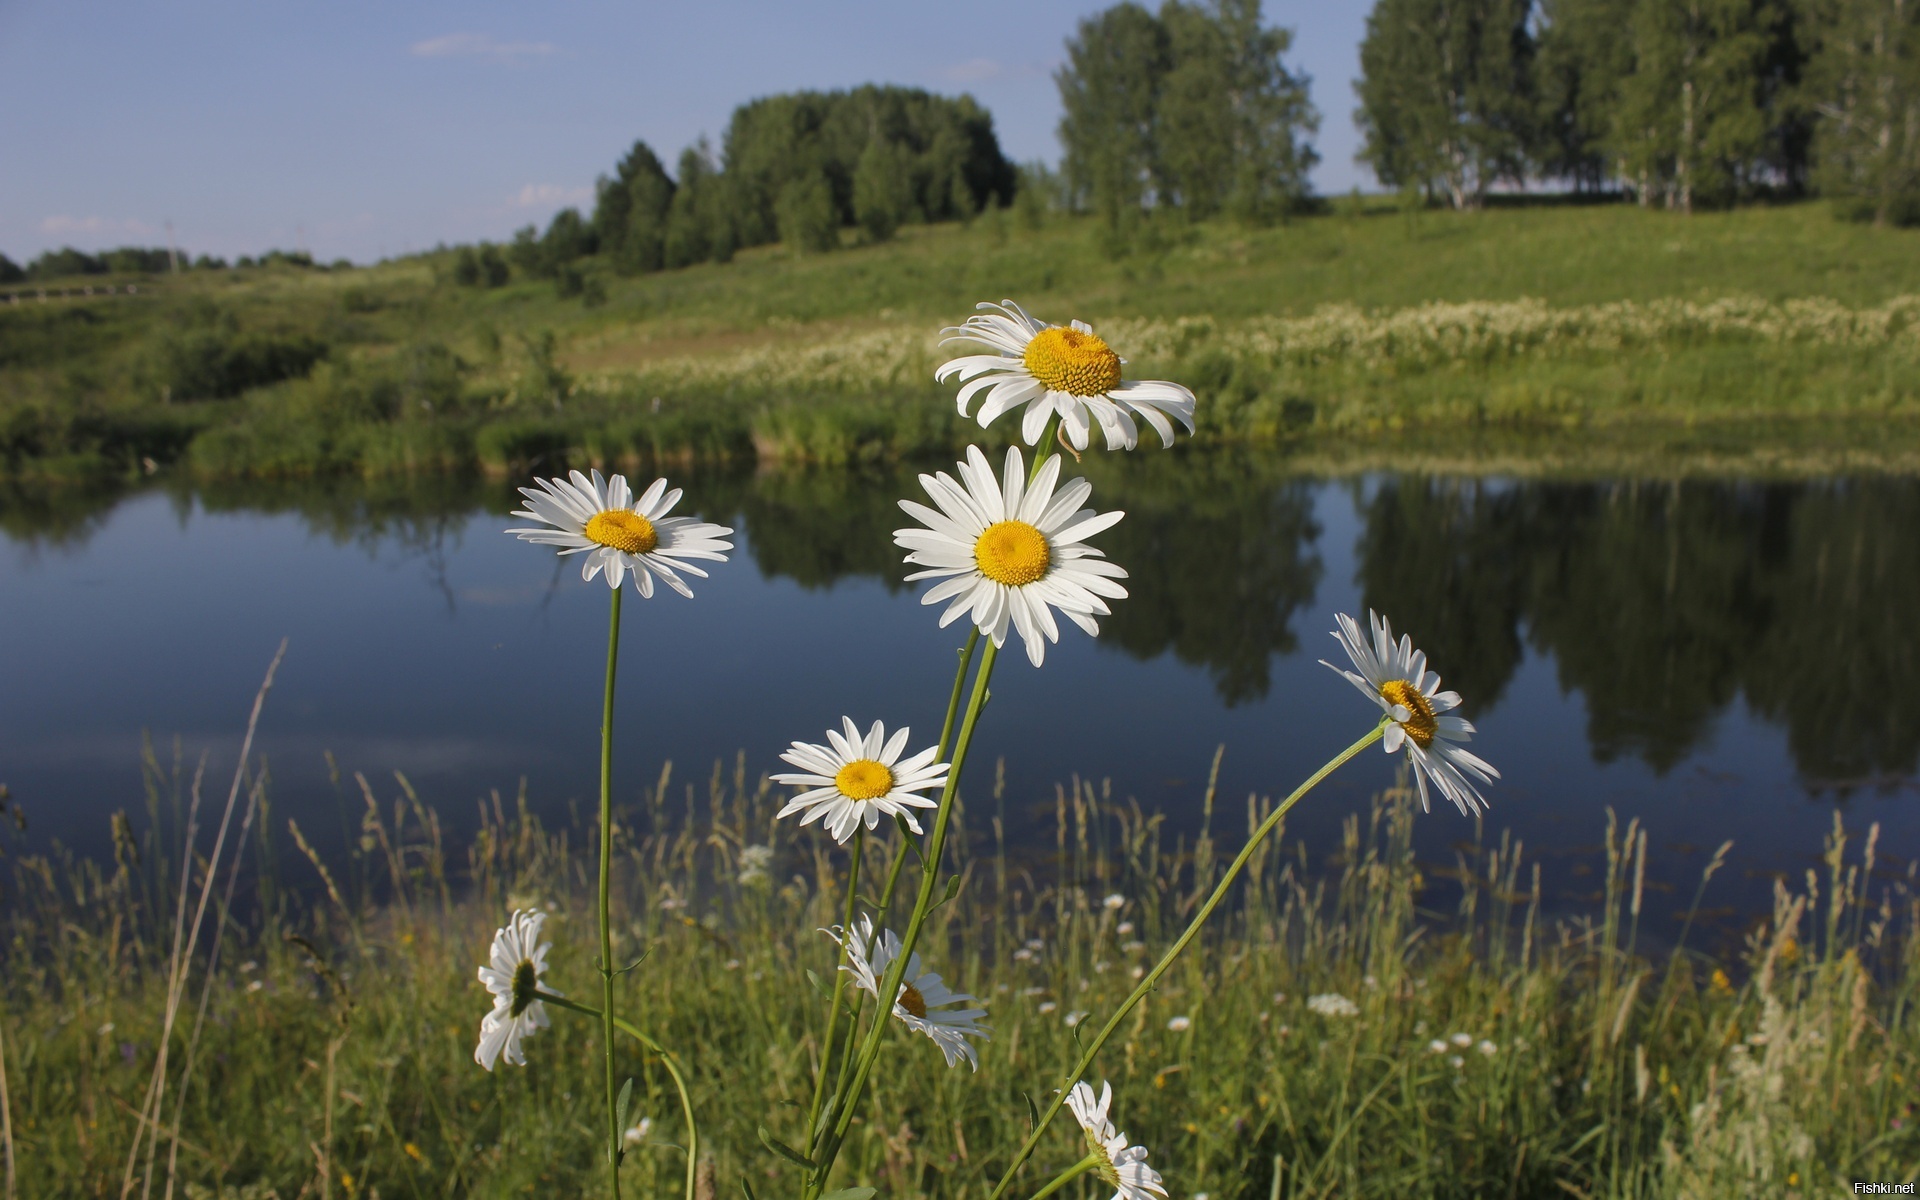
[[1031, 991], [1114, 902], [1419, 1029], [1036, 945], [1279, 997], [1137, 972], [1456, 1062], [1462, 1040], [1047, 1006], [1100, 968], [249, 967], [1372, 983], [255, 985], [1179, 1024], [1134, 947], [1436, 1046], [638, 1134], [106, 1029], [1023, 955], [1333, 1004], [1123, 928], [1075, 1017], [754, 862], [732, 964], [1487, 1048]]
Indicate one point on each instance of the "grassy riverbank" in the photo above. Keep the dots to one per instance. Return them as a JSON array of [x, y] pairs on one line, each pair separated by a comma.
[[1327, 334], [1493, 1049]]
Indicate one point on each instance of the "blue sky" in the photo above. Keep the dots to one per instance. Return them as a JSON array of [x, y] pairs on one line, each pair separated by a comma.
[[366, 129]]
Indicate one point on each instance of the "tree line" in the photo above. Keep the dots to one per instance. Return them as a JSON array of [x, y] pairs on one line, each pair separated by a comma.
[[1677, 103], [1190, 109], [797, 168], [67, 262]]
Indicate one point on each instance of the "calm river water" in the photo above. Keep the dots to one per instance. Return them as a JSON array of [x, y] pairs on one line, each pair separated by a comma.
[[1722, 659]]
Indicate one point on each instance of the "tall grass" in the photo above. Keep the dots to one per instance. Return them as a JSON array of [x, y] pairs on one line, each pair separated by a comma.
[[1493, 1047]]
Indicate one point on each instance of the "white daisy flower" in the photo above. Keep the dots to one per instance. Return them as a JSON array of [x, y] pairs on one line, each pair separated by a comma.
[[1394, 675], [923, 998], [1121, 1164], [601, 518], [1009, 553], [855, 779], [1062, 369], [518, 961]]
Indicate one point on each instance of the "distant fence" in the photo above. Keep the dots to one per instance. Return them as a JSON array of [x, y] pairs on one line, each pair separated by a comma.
[[42, 295]]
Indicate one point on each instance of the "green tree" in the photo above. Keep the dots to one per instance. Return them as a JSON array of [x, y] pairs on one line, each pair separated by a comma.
[[1694, 122], [805, 215], [1445, 95], [1866, 79], [1231, 124], [699, 226], [1117, 61], [1583, 54], [630, 215], [882, 189], [10, 271]]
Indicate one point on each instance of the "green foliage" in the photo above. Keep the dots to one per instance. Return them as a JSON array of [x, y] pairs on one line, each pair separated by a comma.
[[943, 152], [882, 190], [1867, 148], [630, 217], [805, 215], [484, 267], [700, 223], [207, 356], [10, 271], [1444, 95]]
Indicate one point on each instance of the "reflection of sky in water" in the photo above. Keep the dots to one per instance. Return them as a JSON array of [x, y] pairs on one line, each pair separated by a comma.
[[434, 645]]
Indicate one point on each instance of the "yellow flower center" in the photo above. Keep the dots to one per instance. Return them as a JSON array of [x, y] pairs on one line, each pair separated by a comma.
[[863, 779], [623, 530], [913, 1001], [1420, 724], [1013, 553], [1066, 360]]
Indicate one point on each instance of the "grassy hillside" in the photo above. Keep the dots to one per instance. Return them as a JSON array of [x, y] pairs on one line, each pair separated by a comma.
[[1328, 330]]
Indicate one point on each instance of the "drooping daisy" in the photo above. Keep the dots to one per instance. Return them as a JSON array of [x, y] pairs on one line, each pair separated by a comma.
[[923, 998], [1062, 369], [855, 779], [518, 961], [1119, 1162], [600, 517], [1009, 552], [1394, 675]]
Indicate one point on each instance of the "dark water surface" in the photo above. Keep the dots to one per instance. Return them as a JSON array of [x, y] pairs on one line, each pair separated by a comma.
[[1722, 659]]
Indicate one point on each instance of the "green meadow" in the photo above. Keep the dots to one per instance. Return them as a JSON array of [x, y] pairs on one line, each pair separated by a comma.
[[1332, 334]]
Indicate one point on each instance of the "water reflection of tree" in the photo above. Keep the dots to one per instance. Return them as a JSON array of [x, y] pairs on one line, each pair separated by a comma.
[[1662, 601], [818, 527], [1838, 666], [1219, 556], [1442, 560]]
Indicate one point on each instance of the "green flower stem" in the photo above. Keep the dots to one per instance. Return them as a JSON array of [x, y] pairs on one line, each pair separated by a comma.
[[839, 986], [1152, 977], [666, 1060], [614, 1131], [1072, 1173], [846, 1096], [939, 754], [923, 904]]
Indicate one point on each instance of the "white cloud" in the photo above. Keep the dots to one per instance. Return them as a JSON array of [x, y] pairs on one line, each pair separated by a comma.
[[974, 70], [550, 195], [480, 45], [64, 226]]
